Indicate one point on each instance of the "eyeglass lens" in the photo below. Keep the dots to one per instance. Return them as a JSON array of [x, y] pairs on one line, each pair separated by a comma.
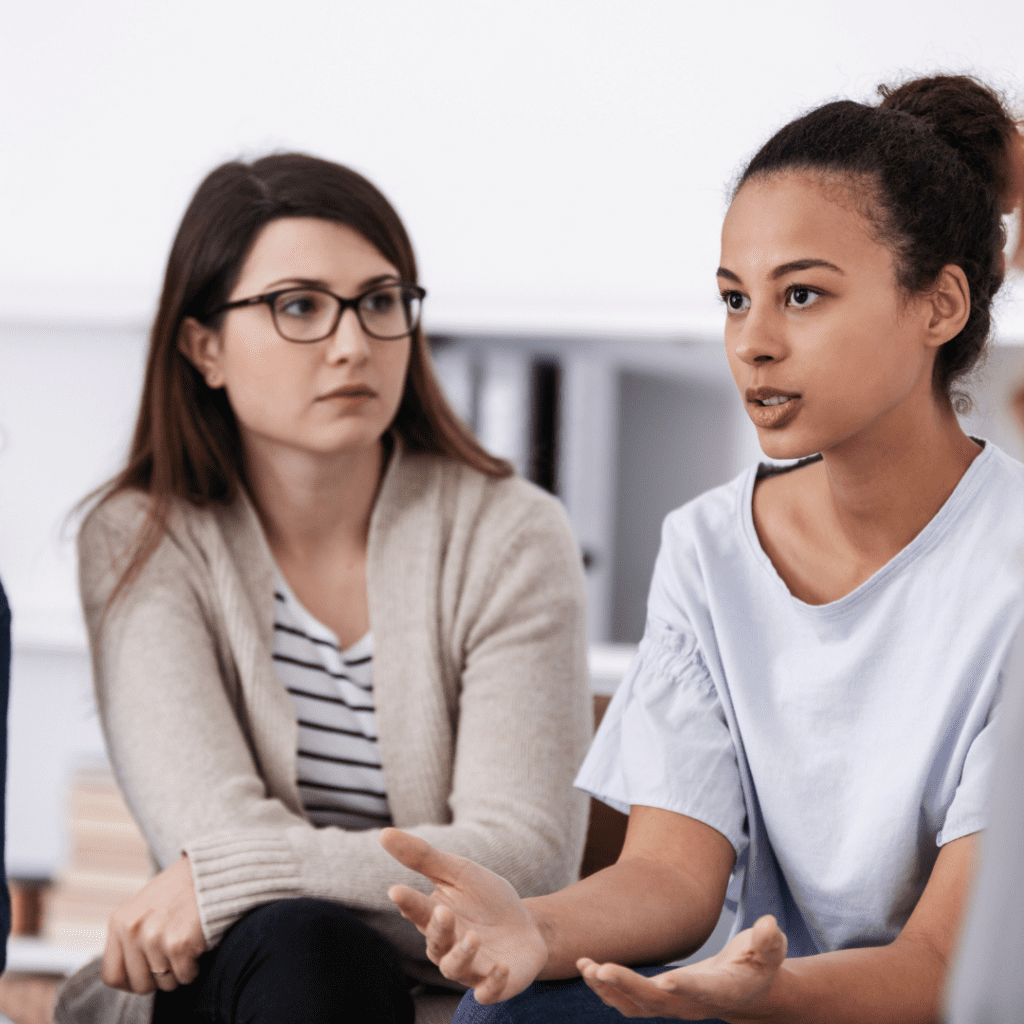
[[304, 314]]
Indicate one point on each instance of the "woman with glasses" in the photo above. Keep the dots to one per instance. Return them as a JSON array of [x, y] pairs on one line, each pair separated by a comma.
[[316, 607], [808, 729]]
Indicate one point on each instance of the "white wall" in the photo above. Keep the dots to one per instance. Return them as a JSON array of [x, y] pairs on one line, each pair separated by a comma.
[[560, 163], [67, 400]]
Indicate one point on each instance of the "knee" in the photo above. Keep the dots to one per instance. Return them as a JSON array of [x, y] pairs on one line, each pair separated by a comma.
[[472, 1012], [306, 930], [307, 959]]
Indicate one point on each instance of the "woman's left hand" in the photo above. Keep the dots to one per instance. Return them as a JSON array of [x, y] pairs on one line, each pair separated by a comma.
[[155, 939], [734, 983]]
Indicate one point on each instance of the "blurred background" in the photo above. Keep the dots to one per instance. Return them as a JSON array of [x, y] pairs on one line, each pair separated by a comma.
[[562, 167]]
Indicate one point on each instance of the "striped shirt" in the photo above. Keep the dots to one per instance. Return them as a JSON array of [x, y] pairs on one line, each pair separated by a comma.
[[339, 770]]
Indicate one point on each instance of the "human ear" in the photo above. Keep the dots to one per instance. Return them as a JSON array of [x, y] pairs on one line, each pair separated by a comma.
[[948, 305], [201, 346]]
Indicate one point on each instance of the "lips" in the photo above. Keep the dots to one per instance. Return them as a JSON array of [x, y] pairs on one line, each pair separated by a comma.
[[771, 408], [350, 391], [769, 396]]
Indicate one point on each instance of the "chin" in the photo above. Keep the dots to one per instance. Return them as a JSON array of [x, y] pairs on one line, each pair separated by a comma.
[[347, 435], [778, 447]]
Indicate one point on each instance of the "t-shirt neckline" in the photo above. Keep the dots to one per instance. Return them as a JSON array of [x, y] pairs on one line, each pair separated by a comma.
[[313, 626], [942, 519]]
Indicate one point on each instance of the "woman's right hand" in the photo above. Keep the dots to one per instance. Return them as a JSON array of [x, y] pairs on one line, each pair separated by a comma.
[[479, 932]]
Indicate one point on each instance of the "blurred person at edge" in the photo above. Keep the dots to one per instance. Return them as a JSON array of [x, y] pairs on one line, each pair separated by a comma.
[[316, 606], [987, 985], [5, 682]]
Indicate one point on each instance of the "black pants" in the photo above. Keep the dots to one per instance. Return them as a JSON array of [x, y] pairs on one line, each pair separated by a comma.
[[294, 960]]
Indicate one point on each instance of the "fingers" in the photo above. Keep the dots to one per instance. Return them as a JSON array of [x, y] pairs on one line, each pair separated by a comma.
[[413, 905], [136, 966], [112, 971], [184, 971], [768, 942], [457, 962], [163, 978], [138, 958], [492, 988], [182, 954], [614, 984], [419, 855], [467, 964], [124, 964], [440, 934]]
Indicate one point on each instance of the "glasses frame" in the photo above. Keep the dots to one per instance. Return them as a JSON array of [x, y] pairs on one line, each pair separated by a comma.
[[270, 299]]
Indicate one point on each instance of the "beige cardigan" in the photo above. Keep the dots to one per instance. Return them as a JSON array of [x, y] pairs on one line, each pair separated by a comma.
[[477, 612]]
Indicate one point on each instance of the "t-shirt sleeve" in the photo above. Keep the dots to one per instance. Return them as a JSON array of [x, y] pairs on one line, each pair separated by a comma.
[[664, 741], [968, 810]]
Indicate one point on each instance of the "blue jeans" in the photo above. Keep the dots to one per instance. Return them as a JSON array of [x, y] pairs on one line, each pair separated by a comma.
[[551, 1002]]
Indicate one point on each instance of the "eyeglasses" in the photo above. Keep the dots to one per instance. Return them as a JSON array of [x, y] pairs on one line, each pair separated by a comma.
[[304, 315]]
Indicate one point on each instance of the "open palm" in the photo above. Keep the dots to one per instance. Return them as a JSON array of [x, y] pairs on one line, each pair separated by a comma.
[[735, 981], [478, 930]]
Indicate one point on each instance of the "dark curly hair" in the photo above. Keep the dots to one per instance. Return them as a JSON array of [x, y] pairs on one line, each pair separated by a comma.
[[935, 155]]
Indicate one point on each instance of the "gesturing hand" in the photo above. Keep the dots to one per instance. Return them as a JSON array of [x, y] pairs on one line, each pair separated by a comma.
[[734, 981], [156, 937], [478, 930]]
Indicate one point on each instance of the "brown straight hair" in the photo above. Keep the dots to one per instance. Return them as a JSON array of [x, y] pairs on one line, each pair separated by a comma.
[[186, 444]]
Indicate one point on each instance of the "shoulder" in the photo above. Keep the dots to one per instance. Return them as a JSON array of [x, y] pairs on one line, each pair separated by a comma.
[[117, 514], [989, 501], [466, 501], [714, 518], [116, 522], [472, 539], [704, 546], [176, 554], [1001, 476]]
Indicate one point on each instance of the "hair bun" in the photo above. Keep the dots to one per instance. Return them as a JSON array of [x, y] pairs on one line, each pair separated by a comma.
[[968, 116]]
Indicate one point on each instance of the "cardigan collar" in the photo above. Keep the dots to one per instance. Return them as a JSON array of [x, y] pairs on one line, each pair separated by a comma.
[[404, 555], [246, 540]]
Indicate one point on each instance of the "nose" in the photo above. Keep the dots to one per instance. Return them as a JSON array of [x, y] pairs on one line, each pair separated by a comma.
[[757, 337], [349, 342]]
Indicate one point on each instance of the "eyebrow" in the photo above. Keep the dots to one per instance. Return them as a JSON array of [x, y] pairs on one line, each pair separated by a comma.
[[315, 282], [789, 268], [786, 268]]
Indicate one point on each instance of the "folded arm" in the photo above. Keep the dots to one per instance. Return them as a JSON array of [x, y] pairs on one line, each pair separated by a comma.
[[191, 707]]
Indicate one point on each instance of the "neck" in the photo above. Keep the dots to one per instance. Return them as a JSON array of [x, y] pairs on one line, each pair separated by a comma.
[[306, 501], [886, 485]]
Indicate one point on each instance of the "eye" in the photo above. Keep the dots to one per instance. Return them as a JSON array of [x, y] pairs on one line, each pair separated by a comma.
[[300, 305], [380, 302], [735, 302], [801, 297]]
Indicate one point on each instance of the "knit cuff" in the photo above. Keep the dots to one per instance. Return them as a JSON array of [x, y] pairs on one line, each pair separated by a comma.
[[234, 874]]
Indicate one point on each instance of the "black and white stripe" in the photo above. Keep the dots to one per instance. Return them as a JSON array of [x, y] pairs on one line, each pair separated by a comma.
[[340, 777]]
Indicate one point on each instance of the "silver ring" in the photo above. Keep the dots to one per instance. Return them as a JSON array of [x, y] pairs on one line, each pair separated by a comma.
[[158, 974]]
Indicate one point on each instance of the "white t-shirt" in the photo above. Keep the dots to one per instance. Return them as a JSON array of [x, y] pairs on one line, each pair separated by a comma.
[[836, 746]]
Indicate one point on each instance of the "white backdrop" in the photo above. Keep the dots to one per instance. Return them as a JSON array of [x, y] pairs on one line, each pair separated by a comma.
[[560, 163]]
